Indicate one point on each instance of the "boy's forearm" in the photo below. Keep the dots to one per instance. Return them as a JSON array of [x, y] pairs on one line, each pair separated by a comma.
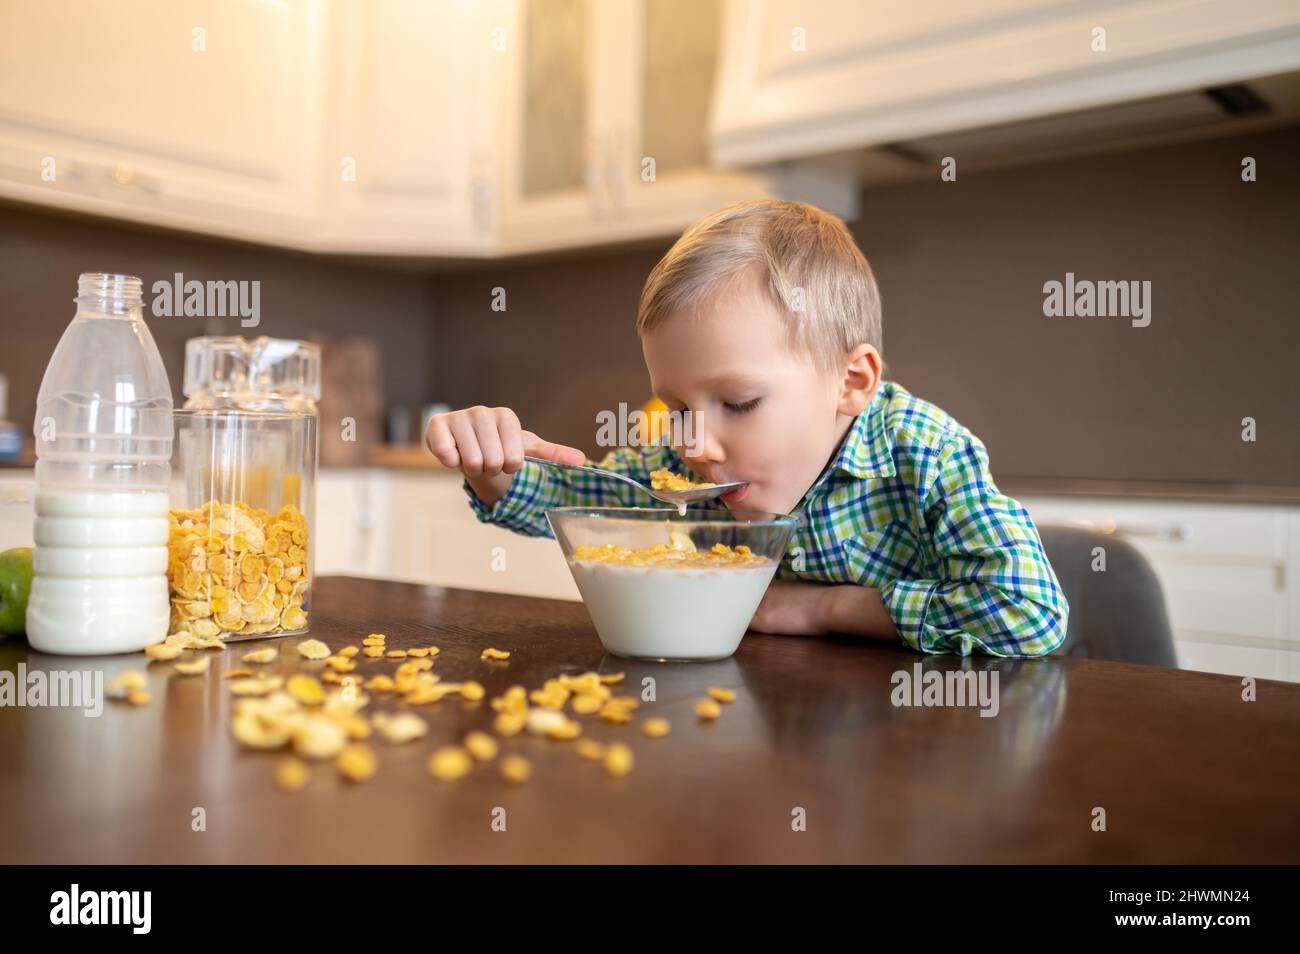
[[858, 610]]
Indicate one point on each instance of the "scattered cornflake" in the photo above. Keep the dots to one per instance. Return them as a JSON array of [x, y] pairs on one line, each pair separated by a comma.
[[589, 749], [611, 678], [399, 728], [374, 652], [722, 695], [347, 652], [260, 728], [450, 762], [497, 654], [161, 652], [256, 685], [541, 721], [305, 689], [199, 665], [356, 727], [397, 654], [587, 703], [374, 639], [419, 652], [433, 650], [122, 685], [708, 709], [563, 731], [261, 655], [357, 763], [331, 677], [482, 746], [381, 683], [138, 697], [237, 674], [292, 774], [318, 737], [472, 690], [313, 649], [516, 769], [618, 759], [340, 663], [655, 728], [509, 723]]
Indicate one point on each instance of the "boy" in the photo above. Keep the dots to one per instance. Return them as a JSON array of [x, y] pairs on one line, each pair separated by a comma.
[[762, 325]]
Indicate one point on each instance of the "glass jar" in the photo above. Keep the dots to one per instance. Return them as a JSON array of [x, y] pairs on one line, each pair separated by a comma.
[[243, 505]]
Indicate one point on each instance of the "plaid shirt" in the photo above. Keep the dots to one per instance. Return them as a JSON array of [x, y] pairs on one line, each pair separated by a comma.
[[907, 506]]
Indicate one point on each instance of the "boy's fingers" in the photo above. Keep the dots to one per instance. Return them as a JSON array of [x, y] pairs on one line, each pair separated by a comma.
[[534, 446], [439, 439], [471, 459], [489, 440], [512, 440]]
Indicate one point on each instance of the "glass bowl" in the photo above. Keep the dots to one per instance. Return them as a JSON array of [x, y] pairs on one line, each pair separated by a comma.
[[677, 607]]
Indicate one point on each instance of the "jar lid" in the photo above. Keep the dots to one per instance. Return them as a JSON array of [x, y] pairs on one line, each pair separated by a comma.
[[233, 370]]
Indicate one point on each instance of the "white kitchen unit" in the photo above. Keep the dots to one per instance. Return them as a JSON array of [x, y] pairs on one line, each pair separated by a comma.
[[202, 116], [605, 125], [416, 526], [409, 138], [438, 128], [805, 79], [1230, 574]]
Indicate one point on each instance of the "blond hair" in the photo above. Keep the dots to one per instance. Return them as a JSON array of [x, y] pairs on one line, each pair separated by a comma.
[[815, 274]]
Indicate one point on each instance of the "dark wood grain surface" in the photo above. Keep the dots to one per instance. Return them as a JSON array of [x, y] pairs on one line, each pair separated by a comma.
[[1185, 769]]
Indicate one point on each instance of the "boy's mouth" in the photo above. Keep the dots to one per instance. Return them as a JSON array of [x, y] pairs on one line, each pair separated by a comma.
[[735, 496]]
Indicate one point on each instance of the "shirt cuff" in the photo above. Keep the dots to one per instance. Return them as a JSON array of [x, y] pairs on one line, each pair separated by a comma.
[[517, 510], [907, 602]]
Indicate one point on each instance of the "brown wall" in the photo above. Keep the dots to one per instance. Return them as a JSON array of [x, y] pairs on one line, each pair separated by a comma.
[[961, 267], [301, 297]]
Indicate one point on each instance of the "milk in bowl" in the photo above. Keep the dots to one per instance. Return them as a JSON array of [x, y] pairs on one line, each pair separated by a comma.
[[660, 586]]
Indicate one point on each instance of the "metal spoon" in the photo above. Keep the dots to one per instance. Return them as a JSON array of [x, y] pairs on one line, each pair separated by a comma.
[[678, 498]]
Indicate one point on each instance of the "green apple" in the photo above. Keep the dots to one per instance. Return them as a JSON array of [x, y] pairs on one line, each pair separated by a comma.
[[15, 585]]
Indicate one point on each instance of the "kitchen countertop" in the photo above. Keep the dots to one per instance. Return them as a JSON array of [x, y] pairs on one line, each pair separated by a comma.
[[1186, 770]]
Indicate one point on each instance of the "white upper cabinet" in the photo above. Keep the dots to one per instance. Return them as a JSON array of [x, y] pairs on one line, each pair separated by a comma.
[[605, 108], [802, 79], [177, 113], [448, 128], [408, 162]]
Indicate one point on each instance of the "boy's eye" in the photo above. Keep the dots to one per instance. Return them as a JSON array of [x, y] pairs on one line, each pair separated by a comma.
[[742, 407]]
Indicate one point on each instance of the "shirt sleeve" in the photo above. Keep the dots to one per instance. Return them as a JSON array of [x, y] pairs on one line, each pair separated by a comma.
[[996, 591], [535, 489]]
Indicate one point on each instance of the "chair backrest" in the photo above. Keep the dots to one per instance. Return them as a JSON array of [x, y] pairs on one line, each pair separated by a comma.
[[1117, 613]]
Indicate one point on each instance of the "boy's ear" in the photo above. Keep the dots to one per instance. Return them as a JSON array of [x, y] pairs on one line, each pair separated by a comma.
[[862, 372]]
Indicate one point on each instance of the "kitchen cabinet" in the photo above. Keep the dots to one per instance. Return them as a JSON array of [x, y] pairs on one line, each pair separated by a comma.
[[1230, 574], [201, 116], [407, 165], [801, 79], [390, 127], [605, 132]]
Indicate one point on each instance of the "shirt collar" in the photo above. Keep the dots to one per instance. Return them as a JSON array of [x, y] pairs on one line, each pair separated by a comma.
[[867, 449]]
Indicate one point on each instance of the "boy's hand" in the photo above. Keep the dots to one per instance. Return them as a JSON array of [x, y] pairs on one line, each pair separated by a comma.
[[487, 445]]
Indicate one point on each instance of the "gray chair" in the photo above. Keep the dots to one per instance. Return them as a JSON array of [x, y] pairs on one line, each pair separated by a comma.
[[1117, 614]]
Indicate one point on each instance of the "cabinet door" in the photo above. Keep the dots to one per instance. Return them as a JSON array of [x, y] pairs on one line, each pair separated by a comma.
[[803, 78], [408, 165], [551, 91], [658, 172], [195, 114]]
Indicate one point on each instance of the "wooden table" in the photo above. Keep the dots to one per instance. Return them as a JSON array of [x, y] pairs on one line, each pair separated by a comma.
[[1186, 770]]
